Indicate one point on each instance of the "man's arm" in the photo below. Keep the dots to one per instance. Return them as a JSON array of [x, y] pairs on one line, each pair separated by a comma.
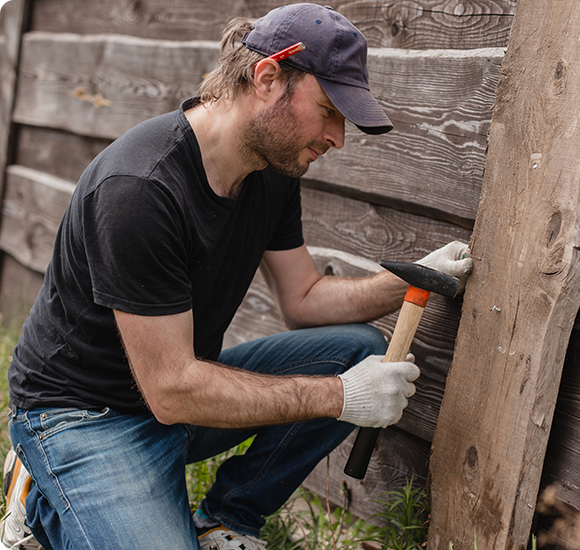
[[307, 299], [178, 387]]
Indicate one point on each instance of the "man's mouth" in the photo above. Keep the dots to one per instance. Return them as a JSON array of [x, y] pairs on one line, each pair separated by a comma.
[[315, 154]]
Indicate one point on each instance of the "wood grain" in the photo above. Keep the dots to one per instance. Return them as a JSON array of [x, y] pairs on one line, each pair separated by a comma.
[[18, 289], [56, 152], [413, 24], [522, 298], [562, 463], [175, 20], [12, 20], [31, 212], [101, 86], [431, 164], [430, 24], [370, 230]]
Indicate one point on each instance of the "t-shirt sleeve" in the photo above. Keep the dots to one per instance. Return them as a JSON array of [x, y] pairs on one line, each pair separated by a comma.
[[136, 248], [288, 233]]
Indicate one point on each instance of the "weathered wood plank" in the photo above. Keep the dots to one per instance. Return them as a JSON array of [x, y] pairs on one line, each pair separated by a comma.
[[414, 24], [562, 463], [18, 289], [33, 206], [55, 152], [175, 20], [523, 297], [429, 24], [12, 16], [432, 163], [398, 456], [103, 85], [372, 231]]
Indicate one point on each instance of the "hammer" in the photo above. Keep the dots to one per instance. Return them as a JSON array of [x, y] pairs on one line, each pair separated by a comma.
[[422, 280]]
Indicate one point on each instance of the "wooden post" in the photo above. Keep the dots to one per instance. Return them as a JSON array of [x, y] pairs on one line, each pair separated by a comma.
[[12, 18], [522, 298]]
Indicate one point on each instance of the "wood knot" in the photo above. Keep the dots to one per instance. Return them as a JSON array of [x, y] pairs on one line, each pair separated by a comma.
[[471, 458], [559, 77], [395, 28], [471, 472], [554, 227], [97, 100]]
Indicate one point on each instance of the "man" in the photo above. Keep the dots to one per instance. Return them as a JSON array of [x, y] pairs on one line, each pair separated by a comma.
[[119, 379]]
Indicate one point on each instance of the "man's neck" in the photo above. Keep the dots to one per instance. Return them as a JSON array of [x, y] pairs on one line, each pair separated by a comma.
[[218, 128]]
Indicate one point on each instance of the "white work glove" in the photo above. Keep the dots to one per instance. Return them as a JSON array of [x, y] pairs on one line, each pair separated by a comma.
[[375, 393], [452, 259]]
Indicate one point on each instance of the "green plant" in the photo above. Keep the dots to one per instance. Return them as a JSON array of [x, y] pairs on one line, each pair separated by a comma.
[[306, 522], [534, 543], [8, 339], [405, 511]]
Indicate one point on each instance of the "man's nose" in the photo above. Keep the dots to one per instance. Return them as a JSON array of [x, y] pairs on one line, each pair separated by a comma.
[[334, 133]]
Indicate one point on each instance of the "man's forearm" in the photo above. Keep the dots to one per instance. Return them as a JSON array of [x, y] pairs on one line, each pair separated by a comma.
[[337, 300], [213, 395]]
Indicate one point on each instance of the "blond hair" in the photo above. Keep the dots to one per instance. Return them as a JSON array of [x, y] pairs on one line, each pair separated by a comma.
[[235, 70]]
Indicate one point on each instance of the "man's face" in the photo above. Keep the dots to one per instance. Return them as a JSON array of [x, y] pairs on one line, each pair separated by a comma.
[[293, 132]]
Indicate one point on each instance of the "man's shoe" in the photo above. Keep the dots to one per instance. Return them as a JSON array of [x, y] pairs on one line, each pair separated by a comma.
[[222, 538], [14, 533]]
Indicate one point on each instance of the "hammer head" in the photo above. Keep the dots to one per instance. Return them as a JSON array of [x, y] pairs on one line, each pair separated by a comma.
[[424, 278]]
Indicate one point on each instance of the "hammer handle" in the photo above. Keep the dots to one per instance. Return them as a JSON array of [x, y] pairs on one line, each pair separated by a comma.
[[399, 346]]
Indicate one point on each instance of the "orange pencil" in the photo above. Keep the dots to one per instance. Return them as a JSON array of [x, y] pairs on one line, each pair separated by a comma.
[[287, 52]]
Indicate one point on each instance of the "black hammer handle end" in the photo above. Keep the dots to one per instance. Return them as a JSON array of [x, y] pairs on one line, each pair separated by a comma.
[[361, 452]]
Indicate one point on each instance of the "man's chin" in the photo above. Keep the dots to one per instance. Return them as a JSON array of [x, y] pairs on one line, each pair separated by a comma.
[[291, 171]]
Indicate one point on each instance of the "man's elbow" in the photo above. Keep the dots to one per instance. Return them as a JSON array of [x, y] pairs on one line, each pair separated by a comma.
[[162, 406], [296, 322]]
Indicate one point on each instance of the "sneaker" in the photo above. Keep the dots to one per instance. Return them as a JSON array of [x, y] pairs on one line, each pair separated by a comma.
[[222, 538], [14, 533]]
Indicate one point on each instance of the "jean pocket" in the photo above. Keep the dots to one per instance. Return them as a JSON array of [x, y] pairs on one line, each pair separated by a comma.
[[55, 420]]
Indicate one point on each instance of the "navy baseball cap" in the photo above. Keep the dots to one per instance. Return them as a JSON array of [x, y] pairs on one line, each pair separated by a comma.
[[336, 54]]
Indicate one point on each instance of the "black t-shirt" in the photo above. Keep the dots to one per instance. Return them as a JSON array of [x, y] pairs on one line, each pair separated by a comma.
[[145, 234]]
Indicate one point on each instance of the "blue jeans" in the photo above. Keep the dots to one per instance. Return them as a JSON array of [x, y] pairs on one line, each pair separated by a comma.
[[108, 480]]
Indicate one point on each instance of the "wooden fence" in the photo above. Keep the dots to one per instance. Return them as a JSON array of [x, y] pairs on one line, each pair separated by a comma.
[[81, 73]]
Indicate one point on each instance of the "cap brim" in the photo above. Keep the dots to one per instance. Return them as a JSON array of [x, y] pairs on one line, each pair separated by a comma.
[[357, 105]]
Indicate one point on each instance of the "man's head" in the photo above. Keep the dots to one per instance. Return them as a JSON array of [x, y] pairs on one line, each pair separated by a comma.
[[336, 54]]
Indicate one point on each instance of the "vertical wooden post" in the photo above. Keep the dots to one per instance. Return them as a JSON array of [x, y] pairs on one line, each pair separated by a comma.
[[12, 17], [522, 298]]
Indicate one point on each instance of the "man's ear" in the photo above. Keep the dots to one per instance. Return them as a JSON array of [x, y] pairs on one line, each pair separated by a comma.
[[267, 79]]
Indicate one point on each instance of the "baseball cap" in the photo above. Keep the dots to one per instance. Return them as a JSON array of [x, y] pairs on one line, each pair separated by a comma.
[[336, 54]]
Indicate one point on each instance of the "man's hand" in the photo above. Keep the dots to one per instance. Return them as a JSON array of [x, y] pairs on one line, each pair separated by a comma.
[[375, 393], [452, 259]]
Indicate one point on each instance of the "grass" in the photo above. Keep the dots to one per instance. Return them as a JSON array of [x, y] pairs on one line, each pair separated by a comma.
[[406, 518], [306, 522], [8, 339]]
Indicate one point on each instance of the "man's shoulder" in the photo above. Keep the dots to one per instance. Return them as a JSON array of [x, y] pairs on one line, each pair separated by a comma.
[[140, 152]]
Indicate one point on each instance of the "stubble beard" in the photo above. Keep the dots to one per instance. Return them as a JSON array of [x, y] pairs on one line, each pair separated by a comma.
[[274, 137]]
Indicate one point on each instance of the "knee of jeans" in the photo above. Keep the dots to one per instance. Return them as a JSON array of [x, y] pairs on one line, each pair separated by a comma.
[[370, 341]]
